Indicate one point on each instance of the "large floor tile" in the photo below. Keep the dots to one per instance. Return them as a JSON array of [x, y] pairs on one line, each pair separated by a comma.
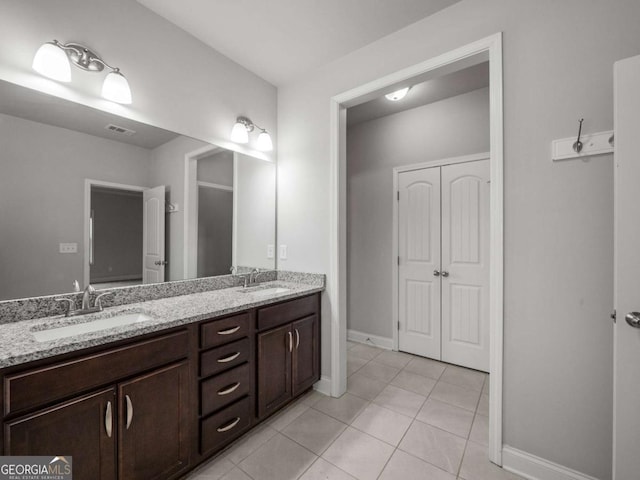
[[447, 417], [278, 459], [414, 383], [400, 400], [476, 466], [214, 469], [249, 443], [425, 367], [455, 395], [463, 377], [354, 364], [312, 397], [483, 405], [394, 359], [487, 385], [435, 446], [384, 424], [379, 371], [480, 430], [359, 454], [323, 470], [236, 474], [314, 430], [346, 408], [365, 351], [403, 466], [364, 387], [280, 420]]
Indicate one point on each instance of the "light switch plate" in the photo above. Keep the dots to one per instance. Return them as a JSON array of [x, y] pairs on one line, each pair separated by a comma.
[[271, 251], [68, 248], [283, 252]]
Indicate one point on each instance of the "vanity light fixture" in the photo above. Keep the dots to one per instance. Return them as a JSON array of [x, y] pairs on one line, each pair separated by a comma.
[[398, 94], [240, 134], [53, 60]]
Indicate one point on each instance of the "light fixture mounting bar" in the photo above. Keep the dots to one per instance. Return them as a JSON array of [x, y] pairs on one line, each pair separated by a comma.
[[83, 57]]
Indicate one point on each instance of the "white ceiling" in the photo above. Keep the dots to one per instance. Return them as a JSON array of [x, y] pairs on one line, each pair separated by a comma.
[[423, 93], [280, 40]]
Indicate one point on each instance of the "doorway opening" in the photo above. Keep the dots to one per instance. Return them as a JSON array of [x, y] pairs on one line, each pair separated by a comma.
[[485, 50]]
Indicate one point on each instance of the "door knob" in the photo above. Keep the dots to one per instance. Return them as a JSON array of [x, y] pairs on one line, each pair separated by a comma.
[[633, 319], [445, 273], [436, 273]]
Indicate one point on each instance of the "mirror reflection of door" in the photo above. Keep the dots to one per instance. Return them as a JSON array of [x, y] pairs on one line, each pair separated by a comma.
[[215, 214]]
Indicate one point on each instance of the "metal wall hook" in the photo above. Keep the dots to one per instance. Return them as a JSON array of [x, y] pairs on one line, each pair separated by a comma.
[[577, 146]]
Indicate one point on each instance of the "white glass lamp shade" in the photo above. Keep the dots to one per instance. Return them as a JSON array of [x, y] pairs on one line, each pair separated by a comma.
[[397, 95], [239, 133], [264, 142], [52, 61], [116, 88]]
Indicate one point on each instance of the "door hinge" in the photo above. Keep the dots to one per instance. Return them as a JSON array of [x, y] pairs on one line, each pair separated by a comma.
[[398, 260], [613, 316], [398, 195], [398, 325]]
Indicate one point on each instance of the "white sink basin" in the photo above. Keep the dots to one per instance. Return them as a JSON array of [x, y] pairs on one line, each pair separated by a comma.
[[266, 292], [93, 326]]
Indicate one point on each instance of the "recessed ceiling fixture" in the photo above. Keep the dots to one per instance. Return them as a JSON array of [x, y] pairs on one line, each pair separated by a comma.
[[53, 60], [240, 134], [398, 94]]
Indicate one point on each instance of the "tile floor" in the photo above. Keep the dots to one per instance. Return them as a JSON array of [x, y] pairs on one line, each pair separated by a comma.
[[403, 417]]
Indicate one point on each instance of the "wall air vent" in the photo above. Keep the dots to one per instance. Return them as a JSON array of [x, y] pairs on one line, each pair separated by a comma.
[[120, 130]]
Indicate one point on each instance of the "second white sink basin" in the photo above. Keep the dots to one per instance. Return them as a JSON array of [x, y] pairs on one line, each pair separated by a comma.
[[265, 291], [92, 326]]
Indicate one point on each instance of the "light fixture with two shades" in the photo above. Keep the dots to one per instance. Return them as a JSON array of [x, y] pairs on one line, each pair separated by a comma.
[[54, 59], [240, 134]]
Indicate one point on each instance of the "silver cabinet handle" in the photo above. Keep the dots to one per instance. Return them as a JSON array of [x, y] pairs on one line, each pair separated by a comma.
[[633, 319], [436, 273], [108, 420], [229, 426], [229, 358], [229, 331], [290, 341], [445, 273], [229, 390], [129, 411], [297, 338]]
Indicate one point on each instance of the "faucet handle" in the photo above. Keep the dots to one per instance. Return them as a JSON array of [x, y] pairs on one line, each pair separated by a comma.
[[233, 270], [98, 301], [71, 304]]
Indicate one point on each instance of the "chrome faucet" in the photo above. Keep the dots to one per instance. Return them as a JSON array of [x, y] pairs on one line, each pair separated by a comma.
[[86, 297], [86, 303]]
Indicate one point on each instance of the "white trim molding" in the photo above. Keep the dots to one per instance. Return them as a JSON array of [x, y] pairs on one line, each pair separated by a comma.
[[368, 339], [535, 468], [489, 48], [323, 385]]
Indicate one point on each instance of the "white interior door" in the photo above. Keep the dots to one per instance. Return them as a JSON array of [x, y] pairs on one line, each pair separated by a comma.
[[626, 441], [465, 264], [153, 235], [419, 257]]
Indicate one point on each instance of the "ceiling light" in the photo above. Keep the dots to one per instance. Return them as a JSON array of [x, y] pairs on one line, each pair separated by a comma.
[[398, 94], [240, 134], [53, 60]]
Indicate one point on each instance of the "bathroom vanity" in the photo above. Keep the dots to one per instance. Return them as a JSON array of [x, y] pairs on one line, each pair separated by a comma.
[[154, 400]]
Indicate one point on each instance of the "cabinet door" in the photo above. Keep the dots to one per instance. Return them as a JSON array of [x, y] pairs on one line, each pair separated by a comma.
[[305, 365], [153, 424], [83, 428], [274, 369]]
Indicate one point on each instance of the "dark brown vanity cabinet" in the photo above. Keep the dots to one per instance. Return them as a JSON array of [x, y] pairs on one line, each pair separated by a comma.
[[288, 351]]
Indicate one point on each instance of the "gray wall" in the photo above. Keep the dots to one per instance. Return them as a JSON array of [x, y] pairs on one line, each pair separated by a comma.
[[216, 168], [42, 200], [558, 67], [117, 235], [449, 128]]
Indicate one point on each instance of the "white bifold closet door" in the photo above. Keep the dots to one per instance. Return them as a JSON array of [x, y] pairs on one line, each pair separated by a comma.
[[443, 243]]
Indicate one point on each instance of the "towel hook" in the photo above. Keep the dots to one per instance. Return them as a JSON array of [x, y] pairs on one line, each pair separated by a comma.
[[577, 145]]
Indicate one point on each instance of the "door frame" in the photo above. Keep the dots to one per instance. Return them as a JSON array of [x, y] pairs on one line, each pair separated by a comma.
[[88, 183], [395, 247], [337, 276]]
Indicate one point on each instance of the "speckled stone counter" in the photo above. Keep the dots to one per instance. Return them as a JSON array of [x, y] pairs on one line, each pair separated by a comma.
[[18, 344]]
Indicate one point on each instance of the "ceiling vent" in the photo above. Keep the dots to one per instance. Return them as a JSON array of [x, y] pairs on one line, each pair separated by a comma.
[[120, 130]]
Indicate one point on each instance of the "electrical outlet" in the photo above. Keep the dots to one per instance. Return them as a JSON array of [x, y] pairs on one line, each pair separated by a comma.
[[283, 252], [271, 251], [68, 248]]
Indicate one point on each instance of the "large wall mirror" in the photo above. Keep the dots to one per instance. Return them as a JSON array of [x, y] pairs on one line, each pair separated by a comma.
[[89, 196]]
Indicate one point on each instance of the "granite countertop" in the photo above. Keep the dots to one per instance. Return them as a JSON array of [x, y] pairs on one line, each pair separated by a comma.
[[18, 344]]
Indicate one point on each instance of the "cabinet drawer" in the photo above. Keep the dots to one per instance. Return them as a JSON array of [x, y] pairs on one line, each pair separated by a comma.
[[221, 428], [44, 385], [225, 388], [225, 330], [269, 317], [225, 357]]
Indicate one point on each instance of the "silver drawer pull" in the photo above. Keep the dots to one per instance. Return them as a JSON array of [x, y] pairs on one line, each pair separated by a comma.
[[129, 411], [108, 420], [229, 426], [229, 358], [229, 331], [229, 390]]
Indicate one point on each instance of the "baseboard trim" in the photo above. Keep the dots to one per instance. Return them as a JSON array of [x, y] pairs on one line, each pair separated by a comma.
[[368, 339], [323, 385], [536, 468]]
